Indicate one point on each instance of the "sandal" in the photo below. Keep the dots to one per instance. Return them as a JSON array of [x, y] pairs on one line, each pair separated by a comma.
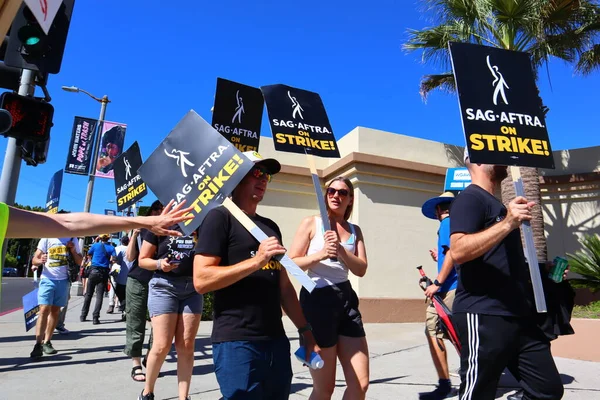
[[135, 374]]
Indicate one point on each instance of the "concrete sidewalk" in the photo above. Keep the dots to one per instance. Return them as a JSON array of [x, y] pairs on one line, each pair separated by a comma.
[[90, 364]]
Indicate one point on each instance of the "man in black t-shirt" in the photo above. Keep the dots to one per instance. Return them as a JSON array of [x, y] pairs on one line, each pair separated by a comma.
[[251, 352], [494, 307]]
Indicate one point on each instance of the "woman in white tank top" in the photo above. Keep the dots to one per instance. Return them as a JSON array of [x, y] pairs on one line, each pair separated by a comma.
[[332, 307]]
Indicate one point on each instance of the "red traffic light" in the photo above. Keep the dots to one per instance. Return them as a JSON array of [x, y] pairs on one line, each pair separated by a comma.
[[31, 118]]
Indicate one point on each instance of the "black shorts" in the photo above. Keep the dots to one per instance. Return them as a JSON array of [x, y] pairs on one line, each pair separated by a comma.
[[332, 311]]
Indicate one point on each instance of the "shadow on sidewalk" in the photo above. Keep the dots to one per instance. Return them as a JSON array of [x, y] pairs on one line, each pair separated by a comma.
[[72, 335], [201, 344], [16, 364], [204, 369]]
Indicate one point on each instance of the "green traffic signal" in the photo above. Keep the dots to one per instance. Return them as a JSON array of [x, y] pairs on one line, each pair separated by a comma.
[[31, 37]]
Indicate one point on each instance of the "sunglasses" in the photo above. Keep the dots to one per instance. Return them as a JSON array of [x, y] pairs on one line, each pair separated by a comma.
[[258, 173], [332, 191]]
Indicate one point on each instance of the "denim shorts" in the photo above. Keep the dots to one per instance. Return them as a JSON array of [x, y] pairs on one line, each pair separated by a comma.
[[173, 295], [253, 370], [53, 292]]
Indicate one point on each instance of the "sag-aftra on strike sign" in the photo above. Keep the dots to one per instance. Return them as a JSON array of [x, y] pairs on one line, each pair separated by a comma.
[[500, 107], [299, 122]]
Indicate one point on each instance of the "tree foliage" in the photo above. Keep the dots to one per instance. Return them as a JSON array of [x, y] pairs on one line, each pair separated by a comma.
[[565, 29]]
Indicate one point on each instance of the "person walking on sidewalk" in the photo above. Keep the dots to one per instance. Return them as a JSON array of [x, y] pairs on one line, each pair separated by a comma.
[[494, 309], [136, 308], [445, 286], [332, 307], [103, 253], [120, 280], [174, 305], [251, 351], [53, 288]]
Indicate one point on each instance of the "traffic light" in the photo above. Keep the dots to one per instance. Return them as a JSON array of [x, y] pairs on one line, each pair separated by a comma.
[[31, 118], [34, 153], [30, 48]]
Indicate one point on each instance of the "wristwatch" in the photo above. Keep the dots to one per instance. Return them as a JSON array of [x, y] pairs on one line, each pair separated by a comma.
[[305, 328], [437, 283]]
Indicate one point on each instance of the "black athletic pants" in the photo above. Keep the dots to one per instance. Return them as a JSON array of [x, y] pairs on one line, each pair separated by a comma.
[[491, 343]]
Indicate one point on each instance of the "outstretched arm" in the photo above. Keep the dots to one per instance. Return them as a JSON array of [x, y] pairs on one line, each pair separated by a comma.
[[27, 224]]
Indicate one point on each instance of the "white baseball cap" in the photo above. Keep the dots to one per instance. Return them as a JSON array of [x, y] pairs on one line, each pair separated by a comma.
[[271, 164]]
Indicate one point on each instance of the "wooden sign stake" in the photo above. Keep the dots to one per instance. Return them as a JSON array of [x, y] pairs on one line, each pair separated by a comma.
[[532, 260], [259, 235]]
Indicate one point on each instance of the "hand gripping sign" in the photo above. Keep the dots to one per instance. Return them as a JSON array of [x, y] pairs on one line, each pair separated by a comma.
[[195, 163], [299, 124], [503, 122]]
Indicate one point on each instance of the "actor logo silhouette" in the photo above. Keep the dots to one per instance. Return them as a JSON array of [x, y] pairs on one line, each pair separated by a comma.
[[127, 168], [181, 160], [499, 82], [239, 110], [297, 108]]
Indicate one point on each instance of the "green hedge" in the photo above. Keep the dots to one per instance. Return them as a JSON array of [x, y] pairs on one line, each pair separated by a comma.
[[207, 312]]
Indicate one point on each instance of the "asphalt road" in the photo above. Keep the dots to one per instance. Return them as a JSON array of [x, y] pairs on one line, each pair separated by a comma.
[[12, 292]]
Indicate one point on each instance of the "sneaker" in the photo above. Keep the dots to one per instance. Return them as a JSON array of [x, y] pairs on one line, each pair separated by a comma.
[[62, 330], [48, 349], [37, 351], [149, 396], [96, 321], [440, 392]]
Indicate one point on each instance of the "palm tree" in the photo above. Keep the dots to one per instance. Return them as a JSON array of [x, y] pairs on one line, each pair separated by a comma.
[[565, 29]]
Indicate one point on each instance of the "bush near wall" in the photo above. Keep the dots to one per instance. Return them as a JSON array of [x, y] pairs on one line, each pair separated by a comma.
[[207, 312]]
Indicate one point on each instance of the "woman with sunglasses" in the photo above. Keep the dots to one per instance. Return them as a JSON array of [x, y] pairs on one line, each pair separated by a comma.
[[332, 307]]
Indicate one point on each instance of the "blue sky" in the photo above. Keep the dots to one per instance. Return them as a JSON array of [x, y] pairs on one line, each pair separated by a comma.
[[156, 60]]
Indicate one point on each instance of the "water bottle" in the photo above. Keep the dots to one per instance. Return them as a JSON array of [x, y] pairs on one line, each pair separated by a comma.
[[316, 362]]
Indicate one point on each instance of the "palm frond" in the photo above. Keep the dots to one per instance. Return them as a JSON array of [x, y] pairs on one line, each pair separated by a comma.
[[586, 263], [444, 82], [589, 61]]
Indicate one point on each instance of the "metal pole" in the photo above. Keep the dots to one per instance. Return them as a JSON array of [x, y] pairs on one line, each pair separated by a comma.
[[12, 159], [77, 287], [92, 173]]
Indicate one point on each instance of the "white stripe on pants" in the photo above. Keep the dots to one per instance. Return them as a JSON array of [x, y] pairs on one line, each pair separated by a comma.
[[471, 378]]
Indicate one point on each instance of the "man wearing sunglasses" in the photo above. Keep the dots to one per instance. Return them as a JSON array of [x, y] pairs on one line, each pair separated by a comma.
[[251, 351]]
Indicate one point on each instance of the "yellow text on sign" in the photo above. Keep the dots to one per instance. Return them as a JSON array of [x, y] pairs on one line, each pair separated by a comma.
[[132, 192], [242, 147], [209, 188], [510, 144], [304, 141]]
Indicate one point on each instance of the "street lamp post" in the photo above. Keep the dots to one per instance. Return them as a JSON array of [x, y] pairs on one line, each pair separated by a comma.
[[92, 173], [77, 288]]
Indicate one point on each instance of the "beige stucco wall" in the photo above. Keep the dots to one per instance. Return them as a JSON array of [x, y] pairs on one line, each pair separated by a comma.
[[572, 208], [398, 175]]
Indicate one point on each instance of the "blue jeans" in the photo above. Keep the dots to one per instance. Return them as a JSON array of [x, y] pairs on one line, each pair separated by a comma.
[[254, 370]]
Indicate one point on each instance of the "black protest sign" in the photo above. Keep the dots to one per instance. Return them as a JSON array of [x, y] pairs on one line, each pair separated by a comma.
[[237, 114], [299, 122], [129, 185], [53, 195], [80, 147], [194, 163], [500, 107]]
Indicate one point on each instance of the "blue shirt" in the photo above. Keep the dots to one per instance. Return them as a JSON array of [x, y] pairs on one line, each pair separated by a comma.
[[100, 257], [443, 247]]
